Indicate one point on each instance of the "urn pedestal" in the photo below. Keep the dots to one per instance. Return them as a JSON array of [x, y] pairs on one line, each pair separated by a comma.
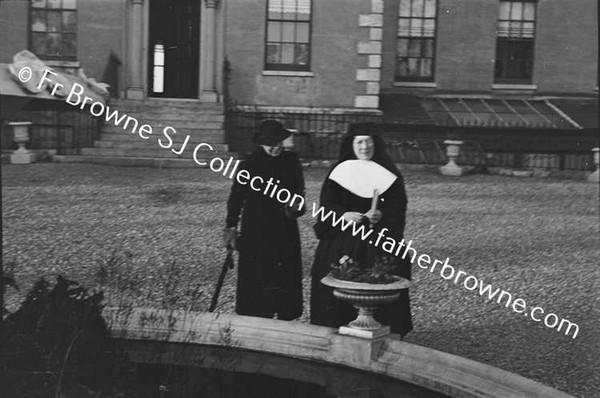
[[21, 137], [595, 176], [366, 297]]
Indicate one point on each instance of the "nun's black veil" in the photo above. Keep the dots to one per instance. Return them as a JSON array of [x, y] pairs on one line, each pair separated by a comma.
[[371, 129], [380, 155]]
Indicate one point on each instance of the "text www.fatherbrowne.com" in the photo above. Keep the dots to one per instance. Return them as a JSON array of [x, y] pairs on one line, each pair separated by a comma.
[[447, 271], [389, 244]]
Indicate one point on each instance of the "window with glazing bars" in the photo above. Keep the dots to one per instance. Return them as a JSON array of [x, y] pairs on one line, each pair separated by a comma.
[[53, 29], [515, 42], [288, 35], [415, 57]]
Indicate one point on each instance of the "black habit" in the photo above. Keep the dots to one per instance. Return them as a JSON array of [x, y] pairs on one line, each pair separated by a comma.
[[270, 265], [327, 310]]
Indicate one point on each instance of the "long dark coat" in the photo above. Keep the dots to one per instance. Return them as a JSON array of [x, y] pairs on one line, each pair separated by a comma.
[[327, 310], [270, 265]]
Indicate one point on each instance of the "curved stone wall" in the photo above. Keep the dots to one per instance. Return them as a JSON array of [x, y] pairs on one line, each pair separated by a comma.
[[388, 356]]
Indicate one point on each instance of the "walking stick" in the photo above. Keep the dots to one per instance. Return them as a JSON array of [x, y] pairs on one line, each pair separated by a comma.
[[227, 265]]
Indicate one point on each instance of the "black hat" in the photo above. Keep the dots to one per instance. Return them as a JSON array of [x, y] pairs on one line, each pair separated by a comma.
[[270, 132]]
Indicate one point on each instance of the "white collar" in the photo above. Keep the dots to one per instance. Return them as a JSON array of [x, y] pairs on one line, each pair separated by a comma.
[[362, 177]]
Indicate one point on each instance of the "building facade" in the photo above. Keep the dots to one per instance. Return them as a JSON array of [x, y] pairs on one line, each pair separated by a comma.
[[543, 47]]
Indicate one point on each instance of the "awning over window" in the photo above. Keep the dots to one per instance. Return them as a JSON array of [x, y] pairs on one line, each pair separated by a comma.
[[10, 87], [477, 112], [583, 111], [404, 109], [503, 113], [20, 85]]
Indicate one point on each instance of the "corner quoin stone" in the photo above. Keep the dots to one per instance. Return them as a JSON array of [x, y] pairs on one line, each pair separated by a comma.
[[376, 34], [366, 101], [373, 20], [372, 88], [375, 61], [368, 75], [377, 6], [369, 47]]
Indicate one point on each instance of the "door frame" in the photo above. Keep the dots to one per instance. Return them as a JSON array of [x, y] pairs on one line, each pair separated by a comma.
[[148, 53], [219, 44]]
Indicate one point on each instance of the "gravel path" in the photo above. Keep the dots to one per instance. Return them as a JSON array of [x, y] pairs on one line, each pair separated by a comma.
[[152, 236]]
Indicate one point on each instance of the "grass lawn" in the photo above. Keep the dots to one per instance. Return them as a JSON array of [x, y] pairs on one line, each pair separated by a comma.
[[153, 237]]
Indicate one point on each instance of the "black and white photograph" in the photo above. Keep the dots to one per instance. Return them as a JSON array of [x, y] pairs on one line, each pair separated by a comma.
[[299, 199]]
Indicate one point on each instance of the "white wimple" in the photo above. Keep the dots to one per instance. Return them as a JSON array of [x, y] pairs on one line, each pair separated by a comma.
[[361, 177]]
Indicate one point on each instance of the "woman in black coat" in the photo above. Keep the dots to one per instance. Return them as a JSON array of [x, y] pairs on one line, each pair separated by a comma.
[[348, 191], [270, 265]]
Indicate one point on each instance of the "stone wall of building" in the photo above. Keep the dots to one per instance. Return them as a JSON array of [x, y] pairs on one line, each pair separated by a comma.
[[342, 71], [13, 28], [100, 32], [353, 49], [565, 49]]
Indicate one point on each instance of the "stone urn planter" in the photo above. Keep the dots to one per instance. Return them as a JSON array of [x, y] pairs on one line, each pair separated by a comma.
[[452, 152], [21, 137], [366, 297]]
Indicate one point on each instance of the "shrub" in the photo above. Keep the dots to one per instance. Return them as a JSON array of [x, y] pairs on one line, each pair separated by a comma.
[[57, 341]]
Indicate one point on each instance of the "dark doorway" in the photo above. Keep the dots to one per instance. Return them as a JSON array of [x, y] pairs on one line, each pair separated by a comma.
[[173, 48]]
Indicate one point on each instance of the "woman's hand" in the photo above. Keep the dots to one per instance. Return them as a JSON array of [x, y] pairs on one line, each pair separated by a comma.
[[352, 216], [293, 212], [230, 237], [373, 216]]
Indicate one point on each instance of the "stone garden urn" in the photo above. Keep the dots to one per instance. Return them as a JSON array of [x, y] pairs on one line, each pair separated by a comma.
[[366, 297], [21, 137], [452, 152]]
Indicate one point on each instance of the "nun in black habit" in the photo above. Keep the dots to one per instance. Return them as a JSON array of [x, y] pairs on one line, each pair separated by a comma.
[[348, 190], [270, 265]]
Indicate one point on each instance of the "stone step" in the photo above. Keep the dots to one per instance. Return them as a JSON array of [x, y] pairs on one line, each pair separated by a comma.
[[173, 105], [156, 152], [125, 140], [129, 161], [175, 121], [179, 132], [202, 122], [118, 134], [169, 101], [139, 106], [161, 114], [153, 144], [158, 125]]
